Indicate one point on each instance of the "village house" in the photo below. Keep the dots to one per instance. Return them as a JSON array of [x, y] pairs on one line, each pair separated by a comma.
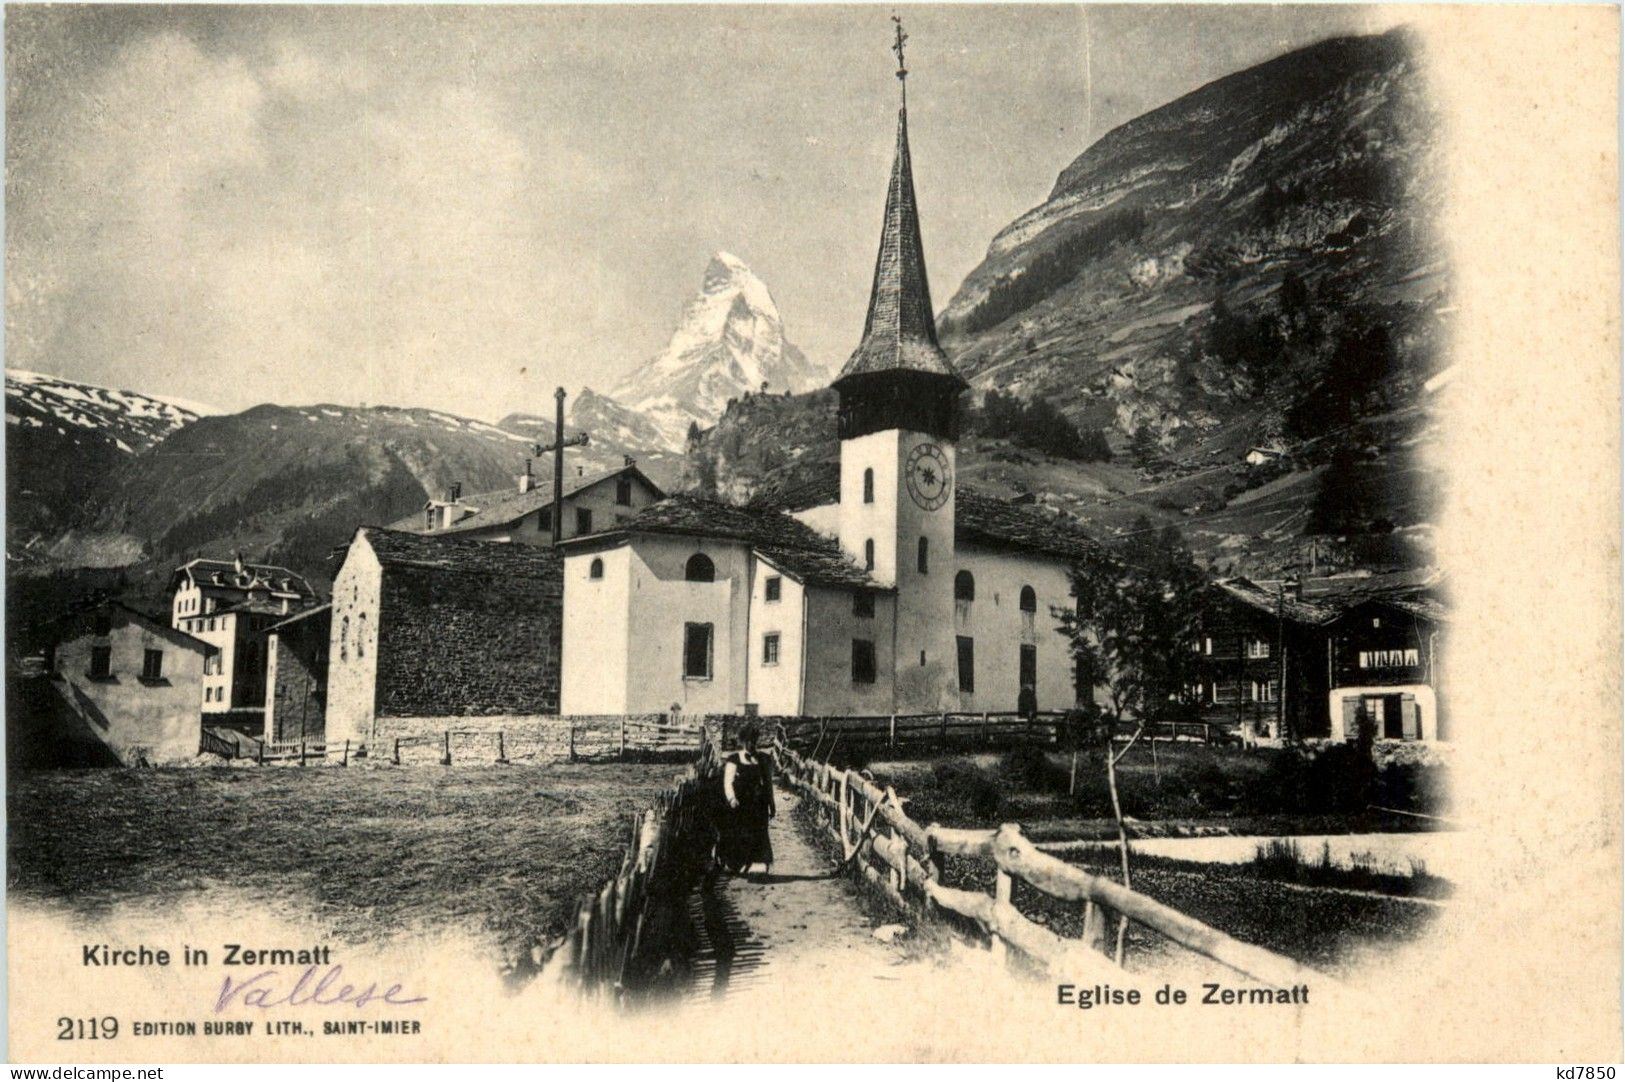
[[296, 652], [890, 590], [429, 627], [1261, 661], [134, 683], [1383, 661], [229, 605], [524, 513]]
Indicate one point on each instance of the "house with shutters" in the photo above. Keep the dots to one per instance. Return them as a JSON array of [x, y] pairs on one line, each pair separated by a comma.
[[1382, 661], [230, 604], [885, 588], [132, 683], [1261, 661], [591, 501]]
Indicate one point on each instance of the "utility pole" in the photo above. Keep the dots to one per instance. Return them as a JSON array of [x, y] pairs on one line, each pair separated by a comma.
[[557, 447]]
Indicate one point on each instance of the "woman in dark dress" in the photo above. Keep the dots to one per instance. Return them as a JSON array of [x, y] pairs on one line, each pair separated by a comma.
[[747, 805]]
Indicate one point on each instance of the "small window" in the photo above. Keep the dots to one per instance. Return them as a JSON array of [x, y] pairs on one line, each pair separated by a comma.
[[344, 639], [211, 665], [361, 635], [152, 665], [1257, 648], [1263, 691], [544, 520], [101, 662], [863, 661], [583, 520], [428, 518], [595, 570], [697, 651], [211, 623], [964, 586], [967, 663], [925, 555], [1029, 599], [868, 486], [863, 604], [770, 648], [771, 588], [700, 569], [623, 492], [1029, 665], [869, 554]]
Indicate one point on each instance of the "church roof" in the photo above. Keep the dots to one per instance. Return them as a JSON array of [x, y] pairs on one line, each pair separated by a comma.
[[788, 543], [900, 332]]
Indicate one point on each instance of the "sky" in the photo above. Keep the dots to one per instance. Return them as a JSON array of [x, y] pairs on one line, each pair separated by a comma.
[[462, 207]]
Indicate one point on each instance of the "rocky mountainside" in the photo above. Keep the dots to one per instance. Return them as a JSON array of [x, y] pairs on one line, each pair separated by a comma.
[[1243, 289], [729, 340]]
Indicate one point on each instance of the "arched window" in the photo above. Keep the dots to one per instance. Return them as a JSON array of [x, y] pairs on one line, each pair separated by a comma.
[[869, 554], [925, 555], [344, 639], [623, 492], [964, 586], [868, 486], [596, 569], [700, 568], [1029, 599]]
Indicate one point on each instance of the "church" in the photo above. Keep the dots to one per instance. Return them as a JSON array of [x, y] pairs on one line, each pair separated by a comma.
[[891, 591]]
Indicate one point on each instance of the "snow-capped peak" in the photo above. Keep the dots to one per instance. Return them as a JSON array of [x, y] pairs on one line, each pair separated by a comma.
[[78, 411], [729, 341]]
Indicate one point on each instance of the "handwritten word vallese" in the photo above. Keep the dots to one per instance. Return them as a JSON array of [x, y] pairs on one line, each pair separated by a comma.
[[264, 990]]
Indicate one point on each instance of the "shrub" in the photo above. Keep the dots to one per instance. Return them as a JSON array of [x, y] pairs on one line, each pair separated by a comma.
[[1027, 767]]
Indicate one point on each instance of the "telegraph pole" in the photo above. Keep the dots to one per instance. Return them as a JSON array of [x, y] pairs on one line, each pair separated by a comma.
[[557, 447]]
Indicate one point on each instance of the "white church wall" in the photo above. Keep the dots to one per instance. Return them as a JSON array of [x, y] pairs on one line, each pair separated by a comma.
[[832, 625], [593, 666], [775, 687], [352, 680], [663, 602], [998, 627]]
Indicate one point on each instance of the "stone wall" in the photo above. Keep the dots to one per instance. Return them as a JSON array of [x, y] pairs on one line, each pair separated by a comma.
[[466, 644], [296, 680]]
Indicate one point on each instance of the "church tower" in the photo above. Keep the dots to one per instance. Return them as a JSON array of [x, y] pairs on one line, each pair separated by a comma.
[[898, 424]]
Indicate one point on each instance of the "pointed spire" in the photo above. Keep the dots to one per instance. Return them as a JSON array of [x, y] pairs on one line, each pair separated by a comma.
[[900, 331]]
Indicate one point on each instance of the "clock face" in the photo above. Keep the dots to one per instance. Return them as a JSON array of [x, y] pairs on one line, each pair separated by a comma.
[[928, 476]]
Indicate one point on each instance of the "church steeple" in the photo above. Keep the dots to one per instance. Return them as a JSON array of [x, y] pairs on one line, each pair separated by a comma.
[[898, 364]]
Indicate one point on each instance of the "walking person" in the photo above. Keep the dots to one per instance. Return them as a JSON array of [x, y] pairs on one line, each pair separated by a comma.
[[747, 805]]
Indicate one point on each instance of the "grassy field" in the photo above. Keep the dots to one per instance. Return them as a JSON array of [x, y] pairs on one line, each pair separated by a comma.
[[498, 853]]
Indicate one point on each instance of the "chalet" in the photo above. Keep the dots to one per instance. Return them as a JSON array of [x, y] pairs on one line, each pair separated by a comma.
[[435, 626], [296, 653], [524, 514], [1261, 661], [1383, 661], [229, 605], [890, 590], [133, 682]]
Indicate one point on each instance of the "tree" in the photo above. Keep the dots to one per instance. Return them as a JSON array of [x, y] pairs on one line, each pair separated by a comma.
[[1136, 615]]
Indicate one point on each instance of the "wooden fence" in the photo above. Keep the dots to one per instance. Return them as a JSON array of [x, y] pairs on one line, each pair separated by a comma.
[[913, 730], [603, 946], [905, 862], [567, 739]]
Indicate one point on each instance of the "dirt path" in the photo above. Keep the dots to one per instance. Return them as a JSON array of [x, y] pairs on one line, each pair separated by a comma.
[[799, 927]]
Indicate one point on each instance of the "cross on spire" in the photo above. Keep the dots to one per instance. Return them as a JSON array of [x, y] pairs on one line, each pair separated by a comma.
[[902, 68]]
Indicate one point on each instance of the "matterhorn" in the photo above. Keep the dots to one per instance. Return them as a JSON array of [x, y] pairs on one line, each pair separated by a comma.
[[729, 341]]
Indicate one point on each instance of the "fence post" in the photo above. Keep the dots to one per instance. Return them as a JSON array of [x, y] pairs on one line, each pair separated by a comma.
[[1001, 893], [945, 728], [346, 760], [502, 747], [987, 734], [623, 737], [397, 751], [445, 754], [301, 753], [891, 732], [259, 754]]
